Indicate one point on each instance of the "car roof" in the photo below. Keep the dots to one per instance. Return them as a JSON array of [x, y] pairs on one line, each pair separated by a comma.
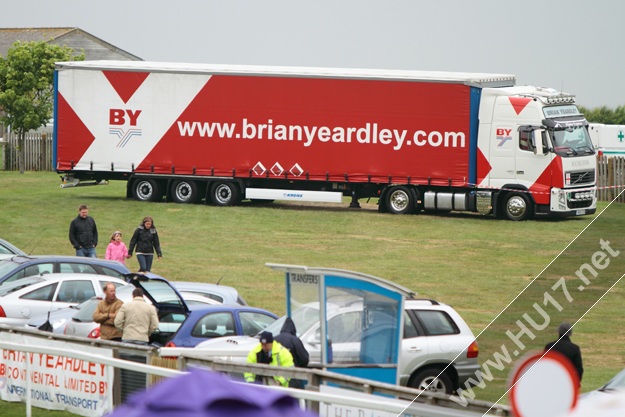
[[58, 258], [221, 290], [69, 276], [39, 281], [199, 308], [12, 247]]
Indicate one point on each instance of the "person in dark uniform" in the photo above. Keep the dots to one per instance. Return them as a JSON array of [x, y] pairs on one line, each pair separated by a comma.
[[288, 338], [569, 349]]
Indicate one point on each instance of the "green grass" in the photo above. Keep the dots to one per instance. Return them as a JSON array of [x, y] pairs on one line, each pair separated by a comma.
[[477, 264]]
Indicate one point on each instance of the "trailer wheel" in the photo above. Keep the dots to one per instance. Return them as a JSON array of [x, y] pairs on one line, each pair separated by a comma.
[[518, 206], [184, 192], [399, 200], [146, 190], [224, 194]]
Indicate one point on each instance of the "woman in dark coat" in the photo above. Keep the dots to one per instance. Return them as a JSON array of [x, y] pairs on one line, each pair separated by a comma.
[[146, 240]]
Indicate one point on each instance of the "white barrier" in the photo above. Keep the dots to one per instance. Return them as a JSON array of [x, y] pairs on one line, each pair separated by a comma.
[[374, 402]]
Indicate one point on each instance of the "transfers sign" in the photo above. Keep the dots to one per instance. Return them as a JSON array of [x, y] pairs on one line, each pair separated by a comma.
[[56, 382]]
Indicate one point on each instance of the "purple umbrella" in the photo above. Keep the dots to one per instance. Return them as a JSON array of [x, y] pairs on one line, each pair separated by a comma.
[[208, 394]]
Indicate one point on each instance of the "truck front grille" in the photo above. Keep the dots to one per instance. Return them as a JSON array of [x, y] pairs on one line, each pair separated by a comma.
[[580, 177]]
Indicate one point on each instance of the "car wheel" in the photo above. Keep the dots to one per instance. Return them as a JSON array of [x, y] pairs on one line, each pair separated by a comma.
[[224, 194], [430, 380], [145, 190], [518, 206], [399, 200], [184, 192]]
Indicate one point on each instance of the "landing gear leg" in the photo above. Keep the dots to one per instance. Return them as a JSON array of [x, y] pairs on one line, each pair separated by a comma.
[[354, 203]]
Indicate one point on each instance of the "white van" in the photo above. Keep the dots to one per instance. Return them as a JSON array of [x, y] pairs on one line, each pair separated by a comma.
[[608, 139]]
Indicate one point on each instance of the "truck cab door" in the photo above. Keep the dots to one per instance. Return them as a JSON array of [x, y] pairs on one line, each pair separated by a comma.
[[502, 155], [532, 159]]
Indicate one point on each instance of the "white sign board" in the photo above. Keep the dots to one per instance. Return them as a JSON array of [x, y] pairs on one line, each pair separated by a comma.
[[57, 382], [543, 385]]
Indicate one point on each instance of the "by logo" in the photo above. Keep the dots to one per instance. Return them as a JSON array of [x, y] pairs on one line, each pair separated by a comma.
[[119, 117], [503, 135]]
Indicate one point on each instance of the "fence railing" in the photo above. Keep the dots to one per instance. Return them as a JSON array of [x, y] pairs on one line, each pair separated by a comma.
[[37, 152], [610, 173], [150, 356]]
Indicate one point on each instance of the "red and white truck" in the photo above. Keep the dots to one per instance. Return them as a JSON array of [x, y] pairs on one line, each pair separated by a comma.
[[417, 140]]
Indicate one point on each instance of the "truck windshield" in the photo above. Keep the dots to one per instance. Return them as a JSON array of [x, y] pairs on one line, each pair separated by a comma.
[[572, 141]]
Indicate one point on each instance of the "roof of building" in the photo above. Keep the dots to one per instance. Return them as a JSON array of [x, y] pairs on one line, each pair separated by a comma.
[[8, 36]]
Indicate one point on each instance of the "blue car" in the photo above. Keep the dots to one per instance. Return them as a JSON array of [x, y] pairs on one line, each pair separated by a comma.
[[206, 322], [18, 267]]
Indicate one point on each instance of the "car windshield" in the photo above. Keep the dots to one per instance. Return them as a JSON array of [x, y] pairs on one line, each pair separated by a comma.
[[86, 309], [618, 382], [572, 141], [7, 266], [18, 285]]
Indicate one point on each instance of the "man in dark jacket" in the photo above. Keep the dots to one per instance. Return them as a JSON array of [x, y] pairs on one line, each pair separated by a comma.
[[569, 349], [83, 233], [288, 338]]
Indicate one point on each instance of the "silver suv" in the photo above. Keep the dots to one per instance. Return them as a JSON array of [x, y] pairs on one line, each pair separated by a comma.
[[434, 337]]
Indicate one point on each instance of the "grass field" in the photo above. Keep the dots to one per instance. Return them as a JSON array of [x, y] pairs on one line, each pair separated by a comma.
[[477, 264]]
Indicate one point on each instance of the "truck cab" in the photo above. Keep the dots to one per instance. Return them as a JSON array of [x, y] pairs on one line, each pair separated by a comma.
[[534, 140]]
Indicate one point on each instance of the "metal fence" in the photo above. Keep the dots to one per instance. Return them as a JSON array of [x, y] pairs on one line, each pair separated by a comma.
[[610, 175], [37, 152], [134, 376]]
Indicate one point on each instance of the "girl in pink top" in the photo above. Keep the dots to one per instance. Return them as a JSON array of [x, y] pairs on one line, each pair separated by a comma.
[[117, 250]]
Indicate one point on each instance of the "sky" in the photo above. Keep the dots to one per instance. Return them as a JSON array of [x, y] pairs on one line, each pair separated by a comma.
[[576, 46]]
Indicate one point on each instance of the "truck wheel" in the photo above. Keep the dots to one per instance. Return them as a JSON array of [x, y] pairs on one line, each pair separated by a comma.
[[399, 200], [224, 194], [146, 190], [518, 206], [429, 380], [184, 192]]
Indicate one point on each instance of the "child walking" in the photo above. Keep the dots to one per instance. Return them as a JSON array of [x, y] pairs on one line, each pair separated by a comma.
[[117, 250]]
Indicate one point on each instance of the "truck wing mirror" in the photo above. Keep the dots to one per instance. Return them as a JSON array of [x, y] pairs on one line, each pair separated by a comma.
[[539, 142], [548, 123]]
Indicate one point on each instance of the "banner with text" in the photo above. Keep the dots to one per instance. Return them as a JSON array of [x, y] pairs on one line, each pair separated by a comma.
[[57, 382]]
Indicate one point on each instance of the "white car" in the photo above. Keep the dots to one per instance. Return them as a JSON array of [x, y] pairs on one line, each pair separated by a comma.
[[82, 324], [434, 335], [30, 297]]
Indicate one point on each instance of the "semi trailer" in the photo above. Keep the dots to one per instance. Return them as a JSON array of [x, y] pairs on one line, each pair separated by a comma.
[[415, 140]]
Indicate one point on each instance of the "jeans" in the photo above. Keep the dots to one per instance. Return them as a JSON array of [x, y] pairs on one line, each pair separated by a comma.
[[145, 262], [86, 252]]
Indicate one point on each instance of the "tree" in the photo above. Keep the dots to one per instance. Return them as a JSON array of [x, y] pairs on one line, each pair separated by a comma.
[[26, 78], [604, 115]]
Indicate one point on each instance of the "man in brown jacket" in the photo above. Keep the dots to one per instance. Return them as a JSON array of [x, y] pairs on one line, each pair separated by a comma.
[[137, 319], [105, 314]]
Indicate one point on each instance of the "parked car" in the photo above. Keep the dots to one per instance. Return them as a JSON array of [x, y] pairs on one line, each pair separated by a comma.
[[61, 318], [204, 323], [7, 249], [221, 293], [29, 297], [80, 322], [433, 335], [19, 267], [614, 386]]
